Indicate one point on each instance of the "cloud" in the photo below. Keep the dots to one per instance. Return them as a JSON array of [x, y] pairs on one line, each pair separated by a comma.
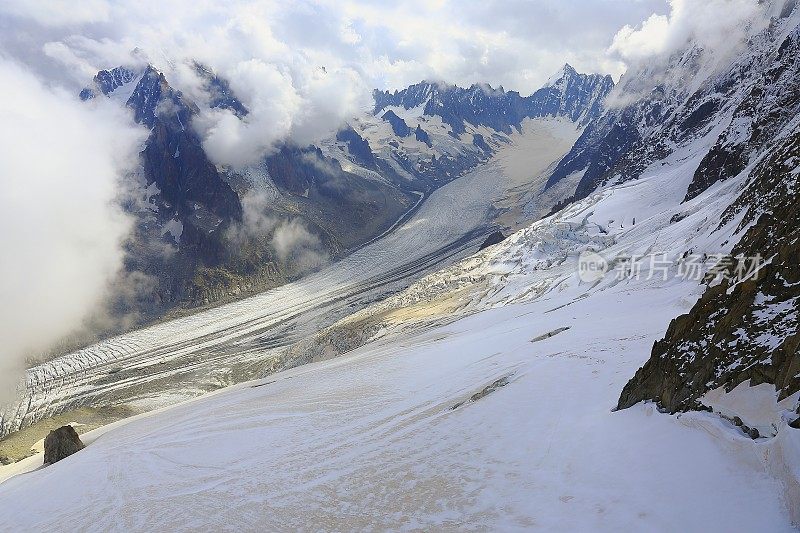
[[62, 232], [716, 26], [298, 248], [273, 103], [292, 243], [304, 67], [708, 35], [59, 12]]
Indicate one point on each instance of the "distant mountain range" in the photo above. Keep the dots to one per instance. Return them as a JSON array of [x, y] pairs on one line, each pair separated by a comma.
[[193, 237]]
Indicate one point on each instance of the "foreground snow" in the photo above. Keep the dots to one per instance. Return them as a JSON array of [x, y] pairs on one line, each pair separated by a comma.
[[371, 440]]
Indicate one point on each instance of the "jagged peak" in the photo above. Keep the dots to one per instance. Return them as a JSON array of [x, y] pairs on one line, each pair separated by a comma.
[[568, 73], [559, 75]]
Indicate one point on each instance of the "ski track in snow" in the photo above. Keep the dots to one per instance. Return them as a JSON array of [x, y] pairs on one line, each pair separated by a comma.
[[371, 441], [465, 426]]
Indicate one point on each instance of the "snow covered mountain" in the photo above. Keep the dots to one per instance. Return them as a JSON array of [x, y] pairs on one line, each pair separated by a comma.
[[567, 93], [351, 188], [544, 381]]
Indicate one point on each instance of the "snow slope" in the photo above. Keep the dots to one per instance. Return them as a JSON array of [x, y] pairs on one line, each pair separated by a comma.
[[371, 441], [180, 359], [480, 398]]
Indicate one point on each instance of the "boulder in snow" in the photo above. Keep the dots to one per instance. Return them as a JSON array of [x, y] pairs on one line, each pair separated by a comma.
[[61, 443]]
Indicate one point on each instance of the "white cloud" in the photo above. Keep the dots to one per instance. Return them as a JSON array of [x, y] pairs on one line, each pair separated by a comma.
[[715, 25], [273, 102], [59, 12], [298, 248], [61, 230], [303, 67]]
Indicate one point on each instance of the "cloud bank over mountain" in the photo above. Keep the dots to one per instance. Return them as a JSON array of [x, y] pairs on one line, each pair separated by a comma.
[[302, 68], [62, 232]]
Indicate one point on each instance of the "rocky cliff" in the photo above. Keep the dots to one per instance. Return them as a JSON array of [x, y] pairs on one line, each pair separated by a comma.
[[745, 328]]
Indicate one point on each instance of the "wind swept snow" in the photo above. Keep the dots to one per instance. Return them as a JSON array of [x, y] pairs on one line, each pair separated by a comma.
[[371, 440]]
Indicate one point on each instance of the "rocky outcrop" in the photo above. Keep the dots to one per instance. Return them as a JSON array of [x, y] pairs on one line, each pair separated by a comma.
[[60, 444], [766, 108], [107, 81], [191, 188], [494, 238], [357, 146], [344, 206], [479, 142], [739, 330], [568, 93], [422, 136], [745, 327], [399, 126], [220, 94]]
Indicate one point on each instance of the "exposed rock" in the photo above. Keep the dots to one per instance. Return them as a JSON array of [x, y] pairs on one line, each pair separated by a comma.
[[480, 142], [399, 126], [758, 90], [550, 334], [488, 389], [502, 382], [491, 240], [219, 92], [578, 97], [737, 421], [61, 443], [745, 331], [357, 146], [422, 136], [766, 108]]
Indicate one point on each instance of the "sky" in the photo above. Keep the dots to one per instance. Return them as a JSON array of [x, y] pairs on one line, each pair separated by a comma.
[[302, 68], [391, 44]]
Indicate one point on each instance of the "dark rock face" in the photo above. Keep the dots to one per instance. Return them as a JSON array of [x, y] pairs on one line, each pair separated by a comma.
[[721, 163], [747, 331], [344, 205], [219, 91], [357, 146], [766, 109], [480, 142], [296, 169], [191, 192], [577, 96], [191, 186], [399, 126], [491, 240], [599, 148], [106, 81], [422, 136], [60, 444]]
